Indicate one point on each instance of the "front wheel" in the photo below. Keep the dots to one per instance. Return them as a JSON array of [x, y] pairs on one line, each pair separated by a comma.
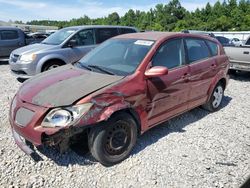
[[216, 98], [51, 65], [113, 141]]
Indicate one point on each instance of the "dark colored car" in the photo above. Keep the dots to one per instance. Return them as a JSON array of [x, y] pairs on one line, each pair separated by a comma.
[[11, 38], [36, 37], [118, 91], [224, 41]]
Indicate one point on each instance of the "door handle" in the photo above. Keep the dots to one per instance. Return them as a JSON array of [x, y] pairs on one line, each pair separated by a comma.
[[185, 77], [246, 53], [213, 66]]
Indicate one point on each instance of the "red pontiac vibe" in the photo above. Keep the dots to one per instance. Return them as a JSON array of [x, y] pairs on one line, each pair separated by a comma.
[[118, 91]]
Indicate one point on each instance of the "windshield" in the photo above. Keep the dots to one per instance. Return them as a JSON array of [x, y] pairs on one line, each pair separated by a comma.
[[117, 56], [59, 36]]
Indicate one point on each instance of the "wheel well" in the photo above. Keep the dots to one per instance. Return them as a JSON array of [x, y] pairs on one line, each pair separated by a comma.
[[223, 82], [53, 60], [134, 115]]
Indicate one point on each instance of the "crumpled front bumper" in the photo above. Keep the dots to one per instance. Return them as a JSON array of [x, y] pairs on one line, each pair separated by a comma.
[[25, 147], [20, 141]]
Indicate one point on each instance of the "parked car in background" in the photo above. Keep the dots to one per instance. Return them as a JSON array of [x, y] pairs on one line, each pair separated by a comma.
[[239, 56], [36, 37], [118, 91], [237, 42], [11, 38], [224, 41], [67, 45]]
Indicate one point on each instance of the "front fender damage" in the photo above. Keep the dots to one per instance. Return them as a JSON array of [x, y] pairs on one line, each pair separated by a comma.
[[108, 103], [104, 106]]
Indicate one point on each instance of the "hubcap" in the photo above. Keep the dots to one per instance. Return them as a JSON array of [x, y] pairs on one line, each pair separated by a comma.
[[118, 139], [53, 66], [218, 95]]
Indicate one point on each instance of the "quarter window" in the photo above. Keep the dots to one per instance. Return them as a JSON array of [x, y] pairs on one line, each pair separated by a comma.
[[84, 38], [197, 50], [170, 55], [9, 35], [213, 47], [106, 33]]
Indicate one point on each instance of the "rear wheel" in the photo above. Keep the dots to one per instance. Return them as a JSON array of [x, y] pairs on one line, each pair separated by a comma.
[[112, 142], [52, 65], [216, 98]]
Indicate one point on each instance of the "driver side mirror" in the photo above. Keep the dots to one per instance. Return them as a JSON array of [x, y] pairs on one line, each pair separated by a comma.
[[156, 71], [72, 43]]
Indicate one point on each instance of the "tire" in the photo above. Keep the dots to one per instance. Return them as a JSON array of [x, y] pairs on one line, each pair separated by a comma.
[[232, 71], [215, 100], [51, 65], [112, 141]]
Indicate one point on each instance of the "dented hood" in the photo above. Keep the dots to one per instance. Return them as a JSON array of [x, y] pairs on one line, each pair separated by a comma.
[[63, 86]]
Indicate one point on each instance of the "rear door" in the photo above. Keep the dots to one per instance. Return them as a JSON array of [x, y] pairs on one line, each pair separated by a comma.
[[125, 30], [10, 40], [203, 67], [169, 93], [85, 42], [103, 34]]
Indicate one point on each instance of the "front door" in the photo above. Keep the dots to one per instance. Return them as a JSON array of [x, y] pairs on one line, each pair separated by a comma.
[[85, 42], [169, 93]]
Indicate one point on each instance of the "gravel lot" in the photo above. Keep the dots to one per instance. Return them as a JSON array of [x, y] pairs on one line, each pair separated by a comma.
[[196, 149]]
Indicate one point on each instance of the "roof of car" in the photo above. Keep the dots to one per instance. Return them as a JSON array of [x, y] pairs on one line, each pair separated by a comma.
[[98, 26], [147, 35], [155, 36]]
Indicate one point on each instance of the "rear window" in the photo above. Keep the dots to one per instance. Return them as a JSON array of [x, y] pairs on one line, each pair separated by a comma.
[[106, 33], [8, 35], [127, 30], [197, 50], [213, 48]]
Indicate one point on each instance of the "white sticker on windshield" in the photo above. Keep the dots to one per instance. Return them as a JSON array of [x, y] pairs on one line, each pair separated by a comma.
[[144, 42]]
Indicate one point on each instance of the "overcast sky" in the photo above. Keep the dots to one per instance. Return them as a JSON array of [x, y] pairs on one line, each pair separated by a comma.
[[27, 10]]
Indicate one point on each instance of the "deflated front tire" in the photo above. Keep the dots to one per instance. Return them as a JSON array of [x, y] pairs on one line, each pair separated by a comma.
[[112, 142]]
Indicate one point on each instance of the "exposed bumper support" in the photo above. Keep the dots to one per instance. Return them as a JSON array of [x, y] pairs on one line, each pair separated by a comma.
[[24, 147]]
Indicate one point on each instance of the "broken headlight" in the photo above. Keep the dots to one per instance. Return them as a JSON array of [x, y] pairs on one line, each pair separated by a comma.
[[63, 117]]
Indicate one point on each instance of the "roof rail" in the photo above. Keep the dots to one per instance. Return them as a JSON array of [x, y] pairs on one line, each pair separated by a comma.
[[198, 32]]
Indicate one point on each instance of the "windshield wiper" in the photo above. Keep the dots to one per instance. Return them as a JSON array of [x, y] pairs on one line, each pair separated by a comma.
[[84, 66], [103, 69]]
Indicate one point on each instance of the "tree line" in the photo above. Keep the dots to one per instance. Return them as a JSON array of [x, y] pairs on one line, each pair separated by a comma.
[[229, 15]]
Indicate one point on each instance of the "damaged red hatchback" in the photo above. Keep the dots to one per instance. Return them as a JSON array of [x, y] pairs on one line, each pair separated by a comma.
[[121, 89]]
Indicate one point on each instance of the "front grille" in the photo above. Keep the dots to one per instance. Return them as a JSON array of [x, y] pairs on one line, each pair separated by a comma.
[[24, 116], [14, 58]]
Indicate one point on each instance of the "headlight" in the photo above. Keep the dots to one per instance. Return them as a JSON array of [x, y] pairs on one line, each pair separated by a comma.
[[28, 57], [63, 117]]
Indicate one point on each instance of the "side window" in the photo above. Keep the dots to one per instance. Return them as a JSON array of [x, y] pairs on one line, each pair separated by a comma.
[[84, 38], [248, 42], [127, 30], [9, 35], [213, 47], [171, 54], [106, 33], [197, 50]]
